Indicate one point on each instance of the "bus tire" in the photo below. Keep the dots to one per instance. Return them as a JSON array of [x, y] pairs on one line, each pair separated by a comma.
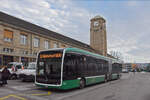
[[82, 83], [119, 76], [105, 80], [110, 77]]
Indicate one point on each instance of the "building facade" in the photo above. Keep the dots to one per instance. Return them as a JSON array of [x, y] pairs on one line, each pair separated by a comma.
[[20, 41], [98, 39]]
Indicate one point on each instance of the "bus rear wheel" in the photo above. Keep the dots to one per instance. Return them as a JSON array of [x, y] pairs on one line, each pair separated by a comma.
[[119, 76], [106, 79], [82, 83]]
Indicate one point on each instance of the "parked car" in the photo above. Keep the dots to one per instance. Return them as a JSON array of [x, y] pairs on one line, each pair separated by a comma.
[[15, 68], [125, 70], [29, 73]]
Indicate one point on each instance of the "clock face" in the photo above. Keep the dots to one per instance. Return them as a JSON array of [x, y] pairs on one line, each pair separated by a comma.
[[96, 23]]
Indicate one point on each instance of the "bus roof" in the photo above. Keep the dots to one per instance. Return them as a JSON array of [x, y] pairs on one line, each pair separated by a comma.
[[89, 53], [77, 50]]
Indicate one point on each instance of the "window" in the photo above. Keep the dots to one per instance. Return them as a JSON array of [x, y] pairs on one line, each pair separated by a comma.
[[8, 50], [35, 53], [49, 69], [55, 45], [96, 30], [23, 39], [46, 44], [70, 64], [96, 23], [116, 67], [101, 28], [63, 46], [24, 52], [36, 42], [8, 35], [18, 66]]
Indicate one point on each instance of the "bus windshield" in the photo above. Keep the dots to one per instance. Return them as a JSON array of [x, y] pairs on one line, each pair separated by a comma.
[[49, 67]]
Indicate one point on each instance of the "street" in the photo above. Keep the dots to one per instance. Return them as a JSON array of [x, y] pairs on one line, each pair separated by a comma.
[[129, 87]]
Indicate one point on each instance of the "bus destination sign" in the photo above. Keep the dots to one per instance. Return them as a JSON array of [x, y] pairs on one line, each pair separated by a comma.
[[56, 55]]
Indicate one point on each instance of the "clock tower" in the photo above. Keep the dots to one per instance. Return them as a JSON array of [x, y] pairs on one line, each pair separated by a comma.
[[98, 39]]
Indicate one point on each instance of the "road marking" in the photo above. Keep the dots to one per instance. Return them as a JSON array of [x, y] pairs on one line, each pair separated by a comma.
[[39, 94], [23, 88], [15, 96], [88, 89]]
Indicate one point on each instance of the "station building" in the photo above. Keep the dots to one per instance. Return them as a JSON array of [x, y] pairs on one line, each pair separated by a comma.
[[20, 41]]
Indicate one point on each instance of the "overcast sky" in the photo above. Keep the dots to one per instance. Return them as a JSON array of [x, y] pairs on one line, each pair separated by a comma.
[[127, 22]]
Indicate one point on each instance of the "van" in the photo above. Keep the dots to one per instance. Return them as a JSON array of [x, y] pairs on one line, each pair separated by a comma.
[[15, 68]]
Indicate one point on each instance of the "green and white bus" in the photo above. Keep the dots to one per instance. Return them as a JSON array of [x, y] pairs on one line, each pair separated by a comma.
[[72, 67]]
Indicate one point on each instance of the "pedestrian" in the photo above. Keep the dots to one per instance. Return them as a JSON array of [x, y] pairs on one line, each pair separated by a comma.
[[5, 74], [134, 71], [1, 83]]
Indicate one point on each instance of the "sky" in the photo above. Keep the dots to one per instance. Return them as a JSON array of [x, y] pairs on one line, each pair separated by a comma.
[[127, 21]]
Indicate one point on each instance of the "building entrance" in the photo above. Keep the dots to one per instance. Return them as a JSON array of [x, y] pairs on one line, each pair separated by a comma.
[[7, 59], [25, 61]]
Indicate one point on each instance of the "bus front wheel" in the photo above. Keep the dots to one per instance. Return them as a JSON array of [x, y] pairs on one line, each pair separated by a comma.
[[82, 83], [106, 79]]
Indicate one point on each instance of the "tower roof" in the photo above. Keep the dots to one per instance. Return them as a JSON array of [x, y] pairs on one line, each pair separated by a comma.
[[98, 17]]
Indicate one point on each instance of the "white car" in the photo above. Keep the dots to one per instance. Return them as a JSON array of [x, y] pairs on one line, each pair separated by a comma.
[[29, 73], [15, 68], [125, 71], [143, 72]]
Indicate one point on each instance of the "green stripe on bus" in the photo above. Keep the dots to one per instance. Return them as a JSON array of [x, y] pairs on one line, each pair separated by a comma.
[[67, 84], [70, 84], [114, 76], [95, 80]]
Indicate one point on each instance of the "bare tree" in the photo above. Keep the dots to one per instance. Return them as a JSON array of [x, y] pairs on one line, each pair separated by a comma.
[[116, 54]]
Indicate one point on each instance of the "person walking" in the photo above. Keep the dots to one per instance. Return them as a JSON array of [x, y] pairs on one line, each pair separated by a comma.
[[5, 74], [1, 82]]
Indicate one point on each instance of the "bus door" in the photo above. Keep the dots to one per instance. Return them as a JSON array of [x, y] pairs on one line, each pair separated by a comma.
[[110, 69]]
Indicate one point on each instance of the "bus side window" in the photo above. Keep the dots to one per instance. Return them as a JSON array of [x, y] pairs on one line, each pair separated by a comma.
[[105, 66], [70, 66], [102, 65], [81, 65], [76, 65], [97, 67], [66, 65], [88, 66], [73, 65]]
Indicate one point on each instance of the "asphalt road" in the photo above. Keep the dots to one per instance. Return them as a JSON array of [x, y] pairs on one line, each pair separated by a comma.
[[129, 87]]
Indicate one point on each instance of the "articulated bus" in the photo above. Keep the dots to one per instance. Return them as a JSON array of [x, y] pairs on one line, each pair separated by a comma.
[[72, 67]]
